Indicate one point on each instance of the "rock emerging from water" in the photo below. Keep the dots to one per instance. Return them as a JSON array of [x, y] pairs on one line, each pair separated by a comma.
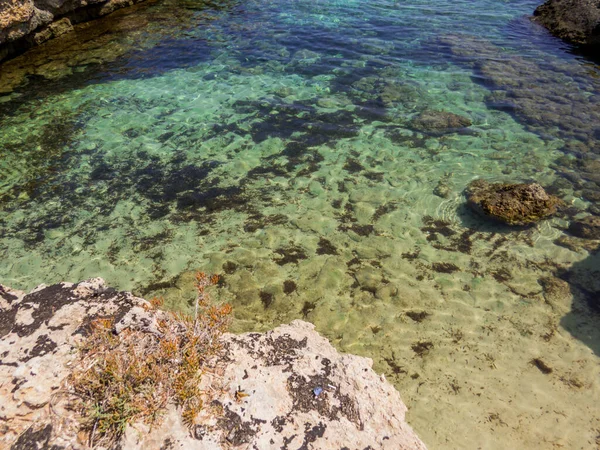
[[287, 388], [586, 228], [575, 21], [26, 23], [513, 204], [439, 121]]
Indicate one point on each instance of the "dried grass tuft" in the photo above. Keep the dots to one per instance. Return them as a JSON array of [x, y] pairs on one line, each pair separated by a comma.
[[134, 375]]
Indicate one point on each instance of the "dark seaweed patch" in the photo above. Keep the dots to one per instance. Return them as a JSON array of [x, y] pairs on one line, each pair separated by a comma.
[[266, 298], [348, 215], [213, 199], [422, 348], [445, 267], [374, 176], [502, 275], [102, 171], [165, 136], [131, 133], [312, 167], [289, 286], [173, 186], [353, 166], [257, 221], [272, 118], [158, 286], [145, 243], [396, 369], [411, 256], [361, 230], [307, 308], [417, 316], [541, 365], [295, 150], [262, 172], [434, 228], [229, 267], [353, 262], [290, 255], [325, 247], [383, 210], [47, 151]]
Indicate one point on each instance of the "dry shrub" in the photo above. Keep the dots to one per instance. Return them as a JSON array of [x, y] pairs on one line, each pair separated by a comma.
[[134, 375]]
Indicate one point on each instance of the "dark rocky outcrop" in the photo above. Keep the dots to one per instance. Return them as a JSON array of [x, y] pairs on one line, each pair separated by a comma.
[[575, 21], [513, 204], [24, 24]]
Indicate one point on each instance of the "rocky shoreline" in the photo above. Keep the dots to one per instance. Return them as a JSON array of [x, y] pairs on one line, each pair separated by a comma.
[[574, 21], [298, 391], [25, 24]]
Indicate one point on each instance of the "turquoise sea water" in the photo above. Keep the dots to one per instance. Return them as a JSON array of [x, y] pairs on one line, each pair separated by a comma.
[[276, 143]]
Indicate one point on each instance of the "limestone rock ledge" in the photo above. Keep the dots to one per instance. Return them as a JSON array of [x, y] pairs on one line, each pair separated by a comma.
[[298, 391]]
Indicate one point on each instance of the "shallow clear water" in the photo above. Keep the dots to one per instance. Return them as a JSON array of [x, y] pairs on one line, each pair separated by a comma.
[[274, 143]]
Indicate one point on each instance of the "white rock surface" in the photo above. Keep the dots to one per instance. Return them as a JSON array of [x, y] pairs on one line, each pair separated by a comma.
[[284, 389]]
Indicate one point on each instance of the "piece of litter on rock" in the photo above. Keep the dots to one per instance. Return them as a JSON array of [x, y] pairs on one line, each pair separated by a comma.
[[331, 386], [317, 391]]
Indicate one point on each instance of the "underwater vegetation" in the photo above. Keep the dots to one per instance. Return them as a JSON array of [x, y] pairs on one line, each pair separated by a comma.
[[316, 156]]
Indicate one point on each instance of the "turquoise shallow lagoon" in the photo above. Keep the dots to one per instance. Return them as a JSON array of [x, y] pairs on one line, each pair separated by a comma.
[[276, 143]]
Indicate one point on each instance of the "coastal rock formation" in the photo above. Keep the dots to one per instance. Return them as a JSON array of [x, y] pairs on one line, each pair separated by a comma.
[[24, 24], [575, 21], [513, 204], [439, 121], [285, 388]]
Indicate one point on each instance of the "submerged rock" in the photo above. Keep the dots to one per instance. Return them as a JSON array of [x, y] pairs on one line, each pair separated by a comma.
[[550, 97], [286, 387], [575, 21], [439, 121], [443, 189], [305, 57], [513, 204], [587, 228]]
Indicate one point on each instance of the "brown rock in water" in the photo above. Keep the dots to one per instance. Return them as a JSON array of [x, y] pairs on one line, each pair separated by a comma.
[[439, 121], [575, 21], [513, 204], [587, 228]]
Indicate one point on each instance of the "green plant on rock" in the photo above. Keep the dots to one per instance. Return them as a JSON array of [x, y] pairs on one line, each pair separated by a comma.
[[132, 376]]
